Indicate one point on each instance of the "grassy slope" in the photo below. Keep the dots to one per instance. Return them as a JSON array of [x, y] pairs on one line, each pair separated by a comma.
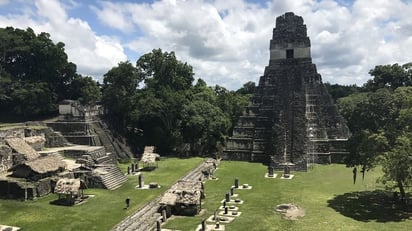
[[99, 213], [323, 192]]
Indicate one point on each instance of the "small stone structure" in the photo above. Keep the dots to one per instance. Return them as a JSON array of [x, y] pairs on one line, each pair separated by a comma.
[[184, 198], [291, 117], [70, 191], [149, 158]]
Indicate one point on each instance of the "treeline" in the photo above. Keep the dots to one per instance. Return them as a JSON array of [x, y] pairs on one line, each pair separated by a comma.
[[155, 101], [35, 75], [158, 102]]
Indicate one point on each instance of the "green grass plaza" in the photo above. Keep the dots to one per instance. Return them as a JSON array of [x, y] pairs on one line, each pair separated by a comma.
[[326, 193]]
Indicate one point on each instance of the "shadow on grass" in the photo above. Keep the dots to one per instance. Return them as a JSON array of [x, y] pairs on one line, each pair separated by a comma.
[[368, 206]]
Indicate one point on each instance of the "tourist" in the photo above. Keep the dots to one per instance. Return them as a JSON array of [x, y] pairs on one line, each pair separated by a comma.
[[354, 174], [127, 202]]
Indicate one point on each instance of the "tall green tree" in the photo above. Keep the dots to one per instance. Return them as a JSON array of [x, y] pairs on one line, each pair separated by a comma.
[[397, 163], [380, 119], [232, 103], [85, 89], [204, 124], [162, 70], [119, 88], [167, 85], [35, 58], [365, 148], [369, 110], [35, 73], [33, 99], [390, 76]]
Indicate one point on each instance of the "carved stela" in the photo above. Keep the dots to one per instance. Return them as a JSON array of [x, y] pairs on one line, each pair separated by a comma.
[[291, 120]]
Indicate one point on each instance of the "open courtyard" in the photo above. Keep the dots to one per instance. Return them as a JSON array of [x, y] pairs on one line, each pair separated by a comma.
[[326, 193]]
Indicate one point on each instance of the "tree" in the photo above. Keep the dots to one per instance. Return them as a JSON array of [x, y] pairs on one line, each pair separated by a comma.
[[390, 76], [35, 58], [380, 123], [119, 88], [162, 69], [352, 109], [33, 99], [32, 66], [365, 148], [85, 89], [168, 84], [248, 88], [397, 163], [339, 91], [204, 124], [369, 111]]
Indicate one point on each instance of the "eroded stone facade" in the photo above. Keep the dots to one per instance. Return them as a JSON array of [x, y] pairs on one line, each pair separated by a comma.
[[291, 118]]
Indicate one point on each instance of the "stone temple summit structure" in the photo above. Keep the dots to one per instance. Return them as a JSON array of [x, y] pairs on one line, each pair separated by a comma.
[[291, 119]]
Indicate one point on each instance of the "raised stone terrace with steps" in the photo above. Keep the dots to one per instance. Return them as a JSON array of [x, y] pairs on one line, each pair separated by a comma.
[[23, 143]]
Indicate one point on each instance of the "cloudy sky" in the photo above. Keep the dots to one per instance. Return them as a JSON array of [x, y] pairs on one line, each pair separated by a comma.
[[226, 41]]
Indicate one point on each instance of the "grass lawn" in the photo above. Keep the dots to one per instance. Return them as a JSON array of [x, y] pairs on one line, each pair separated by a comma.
[[327, 194], [101, 212]]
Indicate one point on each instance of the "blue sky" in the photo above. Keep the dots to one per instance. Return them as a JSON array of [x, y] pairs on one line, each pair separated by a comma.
[[226, 41]]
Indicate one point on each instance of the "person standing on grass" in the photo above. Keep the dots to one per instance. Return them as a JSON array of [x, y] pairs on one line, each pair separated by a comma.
[[127, 202], [354, 171]]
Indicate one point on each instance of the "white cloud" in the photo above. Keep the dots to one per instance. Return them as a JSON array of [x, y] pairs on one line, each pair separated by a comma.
[[113, 16], [94, 55], [224, 44], [227, 41]]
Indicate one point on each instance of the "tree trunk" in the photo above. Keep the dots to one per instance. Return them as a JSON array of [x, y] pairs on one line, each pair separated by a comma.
[[363, 172], [401, 189]]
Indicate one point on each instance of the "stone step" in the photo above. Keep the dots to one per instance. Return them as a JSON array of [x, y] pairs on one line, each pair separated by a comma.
[[114, 177], [113, 181]]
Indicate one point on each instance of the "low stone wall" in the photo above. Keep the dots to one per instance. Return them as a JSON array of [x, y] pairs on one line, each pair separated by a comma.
[[25, 190], [70, 128]]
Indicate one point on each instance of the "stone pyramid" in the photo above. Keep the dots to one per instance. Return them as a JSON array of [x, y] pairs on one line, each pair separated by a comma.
[[291, 118]]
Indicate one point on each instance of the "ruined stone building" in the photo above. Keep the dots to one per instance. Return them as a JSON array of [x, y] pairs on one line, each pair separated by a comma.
[[291, 118], [31, 164], [81, 124]]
